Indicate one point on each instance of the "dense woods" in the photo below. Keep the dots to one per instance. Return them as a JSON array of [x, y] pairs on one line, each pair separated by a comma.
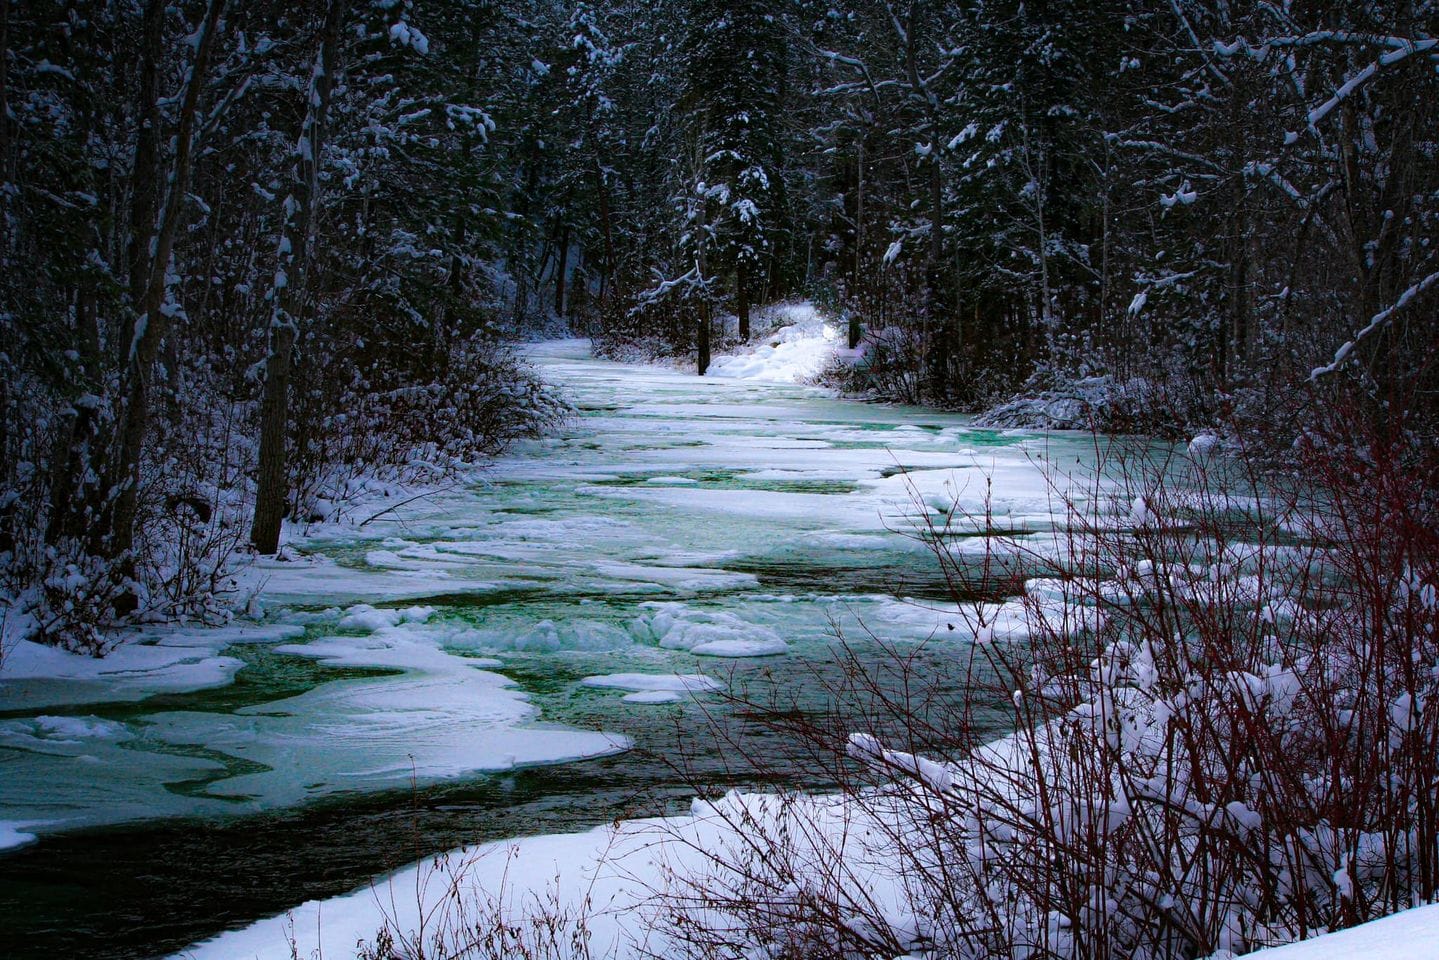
[[259, 257]]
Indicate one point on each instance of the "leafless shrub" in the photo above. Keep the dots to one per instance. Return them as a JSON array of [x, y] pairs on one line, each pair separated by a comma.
[[1223, 723], [455, 919]]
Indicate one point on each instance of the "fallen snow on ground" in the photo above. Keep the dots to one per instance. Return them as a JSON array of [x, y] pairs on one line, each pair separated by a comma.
[[795, 350], [1409, 935], [619, 875]]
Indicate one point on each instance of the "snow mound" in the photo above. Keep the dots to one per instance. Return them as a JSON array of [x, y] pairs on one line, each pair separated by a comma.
[[676, 626], [794, 350], [362, 616], [1407, 935]]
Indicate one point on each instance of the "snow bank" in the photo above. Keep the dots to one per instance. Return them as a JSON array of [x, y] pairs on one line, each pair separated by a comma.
[[614, 871], [12, 834], [795, 350], [1409, 935]]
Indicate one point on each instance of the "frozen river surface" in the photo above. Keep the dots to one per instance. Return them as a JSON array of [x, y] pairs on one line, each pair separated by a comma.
[[521, 655]]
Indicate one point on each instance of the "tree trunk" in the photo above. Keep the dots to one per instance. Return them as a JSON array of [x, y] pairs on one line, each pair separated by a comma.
[[272, 483], [67, 470], [10, 498], [5, 151], [564, 263], [704, 339], [296, 250], [144, 174], [606, 231], [742, 292], [152, 324]]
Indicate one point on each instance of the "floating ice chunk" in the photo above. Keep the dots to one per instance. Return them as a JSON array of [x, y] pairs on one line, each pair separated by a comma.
[[859, 541], [741, 648], [75, 729], [1204, 445], [388, 560], [546, 636], [652, 697], [573, 635], [362, 616], [673, 481], [650, 682], [676, 626]]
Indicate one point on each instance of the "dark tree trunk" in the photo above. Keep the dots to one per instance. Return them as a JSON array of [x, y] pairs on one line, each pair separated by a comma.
[[152, 324], [272, 482], [6, 152], [606, 231], [742, 292], [704, 339], [144, 176], [564, 263], [68, 467]]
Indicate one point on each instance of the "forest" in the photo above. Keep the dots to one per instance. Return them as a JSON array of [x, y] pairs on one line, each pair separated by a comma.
[[347, 346], [256, 255]]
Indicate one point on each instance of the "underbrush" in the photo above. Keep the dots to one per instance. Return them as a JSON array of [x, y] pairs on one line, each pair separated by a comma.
[[360, 431], [1224, 718]]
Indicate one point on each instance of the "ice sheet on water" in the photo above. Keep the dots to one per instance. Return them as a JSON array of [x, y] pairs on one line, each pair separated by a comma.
[[438, 716], [157, 660], [441, 717]]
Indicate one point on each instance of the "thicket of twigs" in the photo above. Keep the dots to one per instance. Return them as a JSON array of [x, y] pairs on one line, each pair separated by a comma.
[[1224, 723]]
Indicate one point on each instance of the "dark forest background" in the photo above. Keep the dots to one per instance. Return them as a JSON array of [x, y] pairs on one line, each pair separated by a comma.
[[261, 259]]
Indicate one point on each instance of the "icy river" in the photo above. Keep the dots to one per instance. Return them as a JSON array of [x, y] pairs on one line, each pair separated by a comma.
[[529, 654]]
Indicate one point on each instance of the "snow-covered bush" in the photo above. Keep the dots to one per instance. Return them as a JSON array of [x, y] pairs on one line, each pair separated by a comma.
[[1101, 403], [367, 419], [191, 508]]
